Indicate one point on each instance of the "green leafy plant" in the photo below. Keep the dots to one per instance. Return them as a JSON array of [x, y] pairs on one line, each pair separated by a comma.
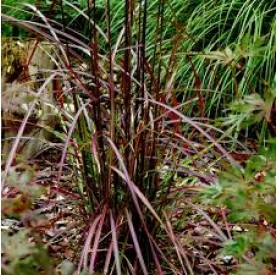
[[253, 110], [21, 254], [249, 196]]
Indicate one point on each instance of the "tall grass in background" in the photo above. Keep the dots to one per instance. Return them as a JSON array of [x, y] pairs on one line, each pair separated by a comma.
[[221, 49], [128, 79]]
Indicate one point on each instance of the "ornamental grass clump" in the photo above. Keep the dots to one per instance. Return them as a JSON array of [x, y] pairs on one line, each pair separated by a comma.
[[125, 135]]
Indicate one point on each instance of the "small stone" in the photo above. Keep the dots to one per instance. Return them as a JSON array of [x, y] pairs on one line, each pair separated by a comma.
[[227, 259], [237, 228], [50, 233]]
